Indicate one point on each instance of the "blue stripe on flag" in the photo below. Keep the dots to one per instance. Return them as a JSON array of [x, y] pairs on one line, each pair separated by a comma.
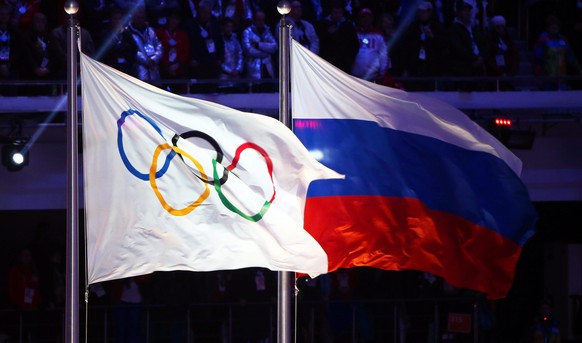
[[476, 186]]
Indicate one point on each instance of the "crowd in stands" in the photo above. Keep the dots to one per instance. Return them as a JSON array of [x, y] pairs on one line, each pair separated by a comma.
[[238, 39], [36, 290], [242, 303]]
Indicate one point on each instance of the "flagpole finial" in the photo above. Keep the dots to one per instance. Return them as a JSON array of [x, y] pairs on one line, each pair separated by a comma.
[[71, 7], [284, 7]]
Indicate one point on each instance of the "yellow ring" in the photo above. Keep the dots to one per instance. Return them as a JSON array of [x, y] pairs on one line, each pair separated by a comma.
[[165, 205]]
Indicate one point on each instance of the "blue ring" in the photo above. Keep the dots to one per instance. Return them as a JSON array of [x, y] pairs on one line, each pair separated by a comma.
[[124, 158]]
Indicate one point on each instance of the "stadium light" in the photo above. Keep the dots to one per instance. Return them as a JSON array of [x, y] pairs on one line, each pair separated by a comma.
[[15, 156]]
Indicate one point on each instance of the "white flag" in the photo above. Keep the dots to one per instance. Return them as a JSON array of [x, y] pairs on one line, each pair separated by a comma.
[[175, 183]]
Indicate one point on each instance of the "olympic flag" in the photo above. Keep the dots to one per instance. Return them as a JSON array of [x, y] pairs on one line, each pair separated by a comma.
[[426, 188], [175, 183]]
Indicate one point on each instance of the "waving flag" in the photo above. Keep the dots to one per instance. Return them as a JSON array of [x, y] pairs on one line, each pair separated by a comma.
[[426, 188], [174, 183]]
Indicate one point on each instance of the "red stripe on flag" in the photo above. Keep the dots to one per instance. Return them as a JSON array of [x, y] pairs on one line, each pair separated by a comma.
[[396, 233]]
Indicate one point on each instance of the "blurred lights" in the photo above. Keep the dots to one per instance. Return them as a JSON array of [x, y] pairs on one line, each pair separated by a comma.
[[306, 124], [503, 122]]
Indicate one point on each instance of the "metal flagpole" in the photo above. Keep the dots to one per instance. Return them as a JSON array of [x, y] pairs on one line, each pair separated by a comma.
[[72, 272], [284, 283]]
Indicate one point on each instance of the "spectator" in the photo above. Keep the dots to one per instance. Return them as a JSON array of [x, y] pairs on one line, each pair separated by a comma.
[[392, 7], [173, 293], [576, 40], [388, 28], [554, 56], [37, 63], [24, 292], [220, 10], [149, 48], [466, 46], [159, 11], [546, 329], [485, 318], [348, 8], [24, 282], [189, 9], [444, 12], [9, 48], [53, 286], [213, 288], [342, 284], [23, 12], [303, 31], [259, 46], [312, 318], [94, 14], [339, 41], [501, 59], [372, 58], [237, 10], [423, 45], [313, 10], [116, 44], [253, 290], [58, 48], [232, 66], [176, 48], [206, 44], [43, 242], [404, 7], [129, 296], [576, 33], [480, 15]]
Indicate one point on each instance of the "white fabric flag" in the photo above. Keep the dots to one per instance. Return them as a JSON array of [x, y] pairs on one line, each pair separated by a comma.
[[175, 183]]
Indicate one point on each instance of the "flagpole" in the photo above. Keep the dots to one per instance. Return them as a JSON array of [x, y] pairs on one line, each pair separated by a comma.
[[72, 271], [284, 283]]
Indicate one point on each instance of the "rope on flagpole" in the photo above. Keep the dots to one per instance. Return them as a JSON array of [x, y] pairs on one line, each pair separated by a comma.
[[86, 311], [296, 293]]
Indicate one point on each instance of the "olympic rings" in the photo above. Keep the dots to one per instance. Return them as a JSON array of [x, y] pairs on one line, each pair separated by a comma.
[[154, 174], [152, 178], [212, 142], [128, 165]]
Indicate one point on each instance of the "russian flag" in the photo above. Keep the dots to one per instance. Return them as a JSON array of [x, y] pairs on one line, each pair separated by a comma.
[[426, 188]]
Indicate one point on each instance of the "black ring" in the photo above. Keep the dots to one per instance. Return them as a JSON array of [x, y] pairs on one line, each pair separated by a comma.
[[212, 142]]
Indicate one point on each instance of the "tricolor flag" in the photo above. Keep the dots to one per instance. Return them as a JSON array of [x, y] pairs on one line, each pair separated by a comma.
[[426, 188], [175, 183]]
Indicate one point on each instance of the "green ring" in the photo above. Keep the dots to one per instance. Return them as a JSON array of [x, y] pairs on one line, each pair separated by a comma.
[[230, 206]]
